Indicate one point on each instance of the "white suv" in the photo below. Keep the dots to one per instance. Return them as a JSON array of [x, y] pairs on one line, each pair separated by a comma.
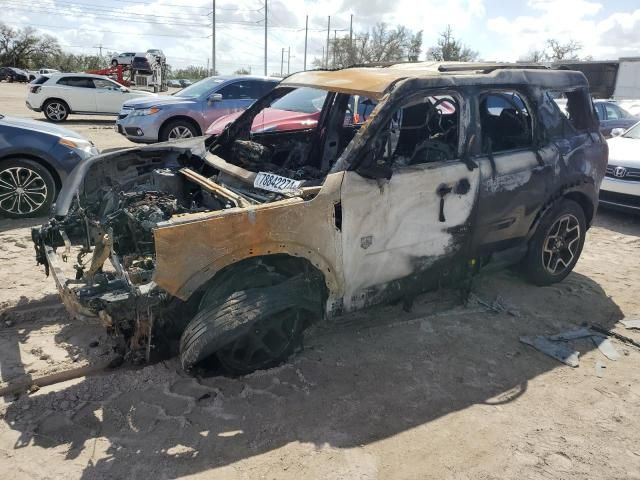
[[60, 94]]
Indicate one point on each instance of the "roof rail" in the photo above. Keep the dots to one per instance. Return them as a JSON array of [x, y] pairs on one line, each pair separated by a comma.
[[488, 67]]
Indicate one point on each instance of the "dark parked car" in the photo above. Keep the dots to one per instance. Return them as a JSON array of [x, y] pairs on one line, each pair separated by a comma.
[[10, 74], [252, 236], [35, 158], [613, 116]]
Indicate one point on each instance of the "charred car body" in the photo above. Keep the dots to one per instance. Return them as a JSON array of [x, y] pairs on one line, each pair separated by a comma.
[[236, 243]]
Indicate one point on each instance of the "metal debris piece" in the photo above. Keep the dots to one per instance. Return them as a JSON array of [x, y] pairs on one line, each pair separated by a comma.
[[629, 324], [559, 351], [572, 335], [606, 347], [609, 333], [600, 369]]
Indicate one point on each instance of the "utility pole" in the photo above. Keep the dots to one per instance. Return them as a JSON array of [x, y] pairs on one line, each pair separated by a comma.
[[306, 34], [265, 38], [213, 39], [351, 61], [282, 64], [335, 39], [99, 47], [288, 60], [326, 61]]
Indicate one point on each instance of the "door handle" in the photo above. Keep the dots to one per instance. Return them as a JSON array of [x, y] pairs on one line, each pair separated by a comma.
[[442, 191]]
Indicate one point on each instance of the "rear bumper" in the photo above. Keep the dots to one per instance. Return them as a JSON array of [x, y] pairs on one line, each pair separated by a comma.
[[31, 107]]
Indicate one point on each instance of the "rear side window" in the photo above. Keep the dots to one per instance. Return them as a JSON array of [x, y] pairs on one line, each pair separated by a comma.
[[79, 82], [505, 122], [577, 108], [614, 112], [40, 80]]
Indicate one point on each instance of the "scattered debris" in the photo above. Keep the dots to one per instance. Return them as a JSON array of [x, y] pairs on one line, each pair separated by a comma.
[[600, 369], [571, 335], [606, 347], [559, 351], [497, 306], [630, 324], [609, 333]]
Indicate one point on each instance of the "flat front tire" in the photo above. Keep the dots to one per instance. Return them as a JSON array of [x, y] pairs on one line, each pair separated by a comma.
[[557, 244]]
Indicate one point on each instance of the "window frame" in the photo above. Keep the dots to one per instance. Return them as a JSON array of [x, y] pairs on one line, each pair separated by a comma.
[[460, 97], [524, 97], [72, 77]]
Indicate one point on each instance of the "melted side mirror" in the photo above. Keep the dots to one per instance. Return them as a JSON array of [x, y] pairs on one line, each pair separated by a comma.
[[616, 132]]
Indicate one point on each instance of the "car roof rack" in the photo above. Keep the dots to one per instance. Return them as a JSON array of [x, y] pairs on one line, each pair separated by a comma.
[[489, 67]]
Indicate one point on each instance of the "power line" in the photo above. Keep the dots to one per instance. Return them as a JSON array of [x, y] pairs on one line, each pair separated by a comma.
[[101, 15], [57, 27]]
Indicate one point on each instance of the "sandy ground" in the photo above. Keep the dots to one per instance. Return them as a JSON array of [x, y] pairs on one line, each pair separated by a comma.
[[444, 391]]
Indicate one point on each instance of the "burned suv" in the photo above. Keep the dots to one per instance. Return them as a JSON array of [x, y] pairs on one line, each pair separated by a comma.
[[229, 247]]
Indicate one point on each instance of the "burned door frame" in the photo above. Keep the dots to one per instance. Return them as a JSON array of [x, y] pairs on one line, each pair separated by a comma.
[[514, 184], [397, 239]]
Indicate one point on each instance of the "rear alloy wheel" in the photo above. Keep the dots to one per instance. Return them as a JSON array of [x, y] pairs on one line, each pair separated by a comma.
[[26, 189], [556, 246], [178, 129], [56, 111]]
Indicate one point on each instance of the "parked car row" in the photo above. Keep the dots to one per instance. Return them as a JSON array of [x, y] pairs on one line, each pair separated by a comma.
[[10, 75]]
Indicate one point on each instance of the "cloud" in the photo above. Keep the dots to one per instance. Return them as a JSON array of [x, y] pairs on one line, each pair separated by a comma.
[[608, 38]]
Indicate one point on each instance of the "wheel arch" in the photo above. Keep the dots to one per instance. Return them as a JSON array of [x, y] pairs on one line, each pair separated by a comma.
[[585, 203], [185, 118], [271, 255], [42, 162]]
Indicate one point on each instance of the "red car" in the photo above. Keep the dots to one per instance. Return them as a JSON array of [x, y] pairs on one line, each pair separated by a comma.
[[298, 110]]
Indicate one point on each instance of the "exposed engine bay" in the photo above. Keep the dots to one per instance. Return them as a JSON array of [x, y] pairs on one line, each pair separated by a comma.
[[110, 221]]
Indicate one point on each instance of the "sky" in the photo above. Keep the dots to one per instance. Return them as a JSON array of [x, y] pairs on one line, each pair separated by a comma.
[[498, 30]]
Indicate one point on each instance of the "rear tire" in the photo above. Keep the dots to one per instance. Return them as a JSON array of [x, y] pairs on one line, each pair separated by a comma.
[[55, 110], [178, 129], [557, 244], [27, 189]]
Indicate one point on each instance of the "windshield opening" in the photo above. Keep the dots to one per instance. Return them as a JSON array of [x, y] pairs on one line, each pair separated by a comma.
[[200, 88], [302, 100]]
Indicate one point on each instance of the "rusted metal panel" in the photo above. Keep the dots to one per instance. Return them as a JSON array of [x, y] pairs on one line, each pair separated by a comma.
[[191, 248], [374, 82]]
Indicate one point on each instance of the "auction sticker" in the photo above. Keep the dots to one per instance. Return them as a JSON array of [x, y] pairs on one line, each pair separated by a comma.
[[276, 183]]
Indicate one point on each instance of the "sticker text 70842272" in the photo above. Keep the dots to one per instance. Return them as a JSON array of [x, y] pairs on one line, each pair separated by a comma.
[[275, 183]]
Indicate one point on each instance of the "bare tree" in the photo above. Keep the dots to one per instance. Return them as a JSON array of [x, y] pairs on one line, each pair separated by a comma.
[[449, 48], [534, 56], [24, 47], [563, 51], [242, 71], [554, 51], [379, 45]]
